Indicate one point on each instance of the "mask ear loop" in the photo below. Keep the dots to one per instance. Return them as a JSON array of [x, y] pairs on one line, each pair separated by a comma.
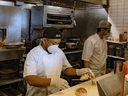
[[47, 42], [47, 48]]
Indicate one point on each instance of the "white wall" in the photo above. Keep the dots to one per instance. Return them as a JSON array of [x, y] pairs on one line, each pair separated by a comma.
[[118, 16]]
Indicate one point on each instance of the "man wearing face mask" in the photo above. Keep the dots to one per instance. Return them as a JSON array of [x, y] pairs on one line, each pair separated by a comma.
[[44, 64], [95, 49]]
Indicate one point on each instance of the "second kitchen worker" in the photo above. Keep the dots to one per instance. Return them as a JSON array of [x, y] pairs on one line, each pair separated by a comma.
[[95, 49], [44, 64]]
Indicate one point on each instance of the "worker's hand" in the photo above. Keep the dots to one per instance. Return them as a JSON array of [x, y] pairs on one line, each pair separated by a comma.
[[86, 73], [82, 71], [59, 83]]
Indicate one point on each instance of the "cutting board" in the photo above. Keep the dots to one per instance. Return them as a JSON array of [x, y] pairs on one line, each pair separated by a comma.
[[92, 90]]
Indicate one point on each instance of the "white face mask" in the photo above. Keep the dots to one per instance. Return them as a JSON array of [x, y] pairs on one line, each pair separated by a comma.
[[53, 49], [106, 36]]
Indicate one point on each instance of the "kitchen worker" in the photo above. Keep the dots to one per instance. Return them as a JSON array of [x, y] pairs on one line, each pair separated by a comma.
[[44, 64], [95, 49]]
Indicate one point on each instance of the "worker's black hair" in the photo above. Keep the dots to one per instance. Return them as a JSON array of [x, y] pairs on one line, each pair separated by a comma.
[[98, 29]]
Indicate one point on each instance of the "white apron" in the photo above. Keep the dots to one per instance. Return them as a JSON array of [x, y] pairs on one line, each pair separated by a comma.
[[52, 64], [53, 68]]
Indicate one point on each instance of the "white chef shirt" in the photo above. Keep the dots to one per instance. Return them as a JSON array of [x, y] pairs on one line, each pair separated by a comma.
[[95, 51], [33, 67]]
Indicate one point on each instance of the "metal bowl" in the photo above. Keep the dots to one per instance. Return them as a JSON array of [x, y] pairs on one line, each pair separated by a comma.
[[71, 45]]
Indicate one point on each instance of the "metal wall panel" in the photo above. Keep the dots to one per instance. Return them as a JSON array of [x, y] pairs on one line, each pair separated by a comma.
[[10, 17], [87, 21], [25, 24]]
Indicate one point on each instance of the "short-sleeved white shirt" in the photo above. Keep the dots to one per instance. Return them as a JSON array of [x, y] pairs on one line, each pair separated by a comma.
[[95, 51], [33, 67]]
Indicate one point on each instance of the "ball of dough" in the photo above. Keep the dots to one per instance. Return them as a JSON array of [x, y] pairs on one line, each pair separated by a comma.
[[81, 92]]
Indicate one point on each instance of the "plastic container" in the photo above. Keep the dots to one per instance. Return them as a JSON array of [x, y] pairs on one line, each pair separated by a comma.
[[125, 36], [126, 53], [120, 37], [111, 50], [118, 51], [118, 66]]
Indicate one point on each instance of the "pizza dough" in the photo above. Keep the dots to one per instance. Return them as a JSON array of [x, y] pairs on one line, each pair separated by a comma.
[[88, 75], [84, 77], [81, 92]]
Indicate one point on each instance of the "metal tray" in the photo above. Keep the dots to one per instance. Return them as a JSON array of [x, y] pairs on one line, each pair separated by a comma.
[[13, 45]]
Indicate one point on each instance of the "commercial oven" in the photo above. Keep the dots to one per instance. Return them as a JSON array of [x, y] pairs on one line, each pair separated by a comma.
[[52, 16]]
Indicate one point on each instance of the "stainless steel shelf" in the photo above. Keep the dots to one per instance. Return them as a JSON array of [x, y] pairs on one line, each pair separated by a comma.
[[10, 81], [14, 49], [117, 42], [72, 52], [116, 57], [59, 20]]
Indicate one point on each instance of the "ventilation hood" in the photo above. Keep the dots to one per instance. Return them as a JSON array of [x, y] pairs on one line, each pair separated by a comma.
[[93, 1]]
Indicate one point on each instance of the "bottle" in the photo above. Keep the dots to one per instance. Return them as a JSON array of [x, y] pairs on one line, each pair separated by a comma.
[[125, 36], [120, 37]]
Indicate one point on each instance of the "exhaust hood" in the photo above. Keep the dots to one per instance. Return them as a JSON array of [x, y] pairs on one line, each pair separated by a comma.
[[93, 1]]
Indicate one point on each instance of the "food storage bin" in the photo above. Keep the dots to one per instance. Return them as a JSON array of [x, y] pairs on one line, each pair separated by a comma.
[[118, 51], [111, 50], [125, 36]]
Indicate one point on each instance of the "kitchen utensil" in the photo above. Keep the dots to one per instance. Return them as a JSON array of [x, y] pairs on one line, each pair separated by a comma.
[[118, 66], [71, 45], [73, 39], [13, 45]]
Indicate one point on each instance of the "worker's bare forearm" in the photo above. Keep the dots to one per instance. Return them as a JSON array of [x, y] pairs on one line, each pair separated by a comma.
[[38, 81], [70, 71], [86, 64]]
